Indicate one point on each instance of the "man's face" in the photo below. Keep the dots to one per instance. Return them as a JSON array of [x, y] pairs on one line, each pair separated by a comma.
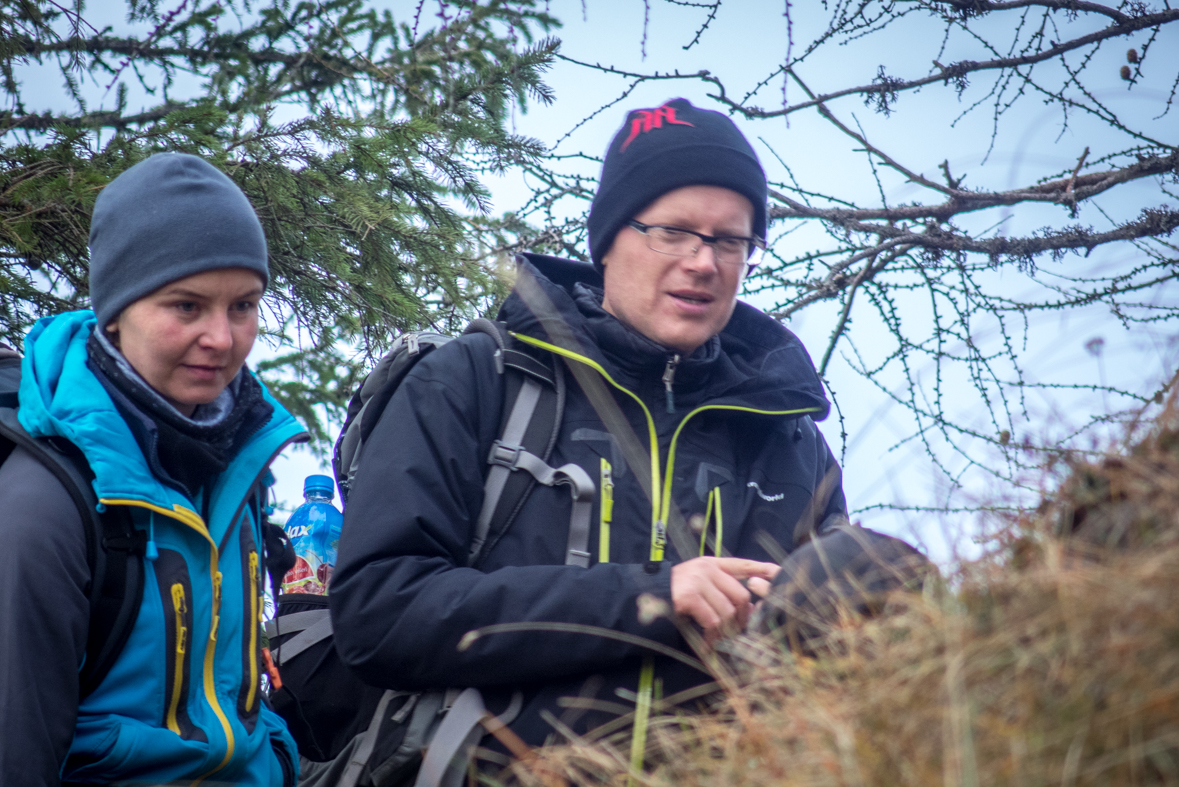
[[679, 302]]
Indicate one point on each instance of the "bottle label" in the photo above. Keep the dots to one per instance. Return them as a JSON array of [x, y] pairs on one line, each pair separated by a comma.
[[308, 576], [314, 532]]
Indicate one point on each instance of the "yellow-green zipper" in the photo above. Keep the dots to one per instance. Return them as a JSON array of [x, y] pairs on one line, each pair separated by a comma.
[[660, 510], [253, 623], [714, 503], [194, 521], [638, 741], [179, 649], [605, 510]]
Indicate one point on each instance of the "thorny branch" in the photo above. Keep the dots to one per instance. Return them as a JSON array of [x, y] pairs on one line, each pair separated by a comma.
[[919, 276], [955, 72]]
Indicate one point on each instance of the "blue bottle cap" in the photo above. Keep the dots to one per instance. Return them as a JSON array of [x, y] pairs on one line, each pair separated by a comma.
[[324, 484]]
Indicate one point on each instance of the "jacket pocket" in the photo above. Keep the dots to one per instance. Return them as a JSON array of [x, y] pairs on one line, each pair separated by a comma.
[[284, 768], [112, 750], [249, 695], [176, 594]]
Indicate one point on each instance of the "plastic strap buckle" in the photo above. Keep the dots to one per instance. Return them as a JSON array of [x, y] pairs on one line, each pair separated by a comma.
[[505, 455]]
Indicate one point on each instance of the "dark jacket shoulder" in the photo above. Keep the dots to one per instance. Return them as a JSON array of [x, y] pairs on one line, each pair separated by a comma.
[[44, 618]]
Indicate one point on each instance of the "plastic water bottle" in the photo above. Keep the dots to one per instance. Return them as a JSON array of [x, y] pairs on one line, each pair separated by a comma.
[[314, 530]]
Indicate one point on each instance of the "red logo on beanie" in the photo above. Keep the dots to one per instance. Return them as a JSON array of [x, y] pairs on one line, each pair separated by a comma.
[[647, 119]]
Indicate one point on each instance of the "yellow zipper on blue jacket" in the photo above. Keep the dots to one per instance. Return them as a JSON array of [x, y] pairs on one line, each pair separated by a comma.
[[180, 650], [254, 624], [194, 521]]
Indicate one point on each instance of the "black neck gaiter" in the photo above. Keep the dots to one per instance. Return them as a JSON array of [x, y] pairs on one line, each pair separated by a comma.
[[185, 453]]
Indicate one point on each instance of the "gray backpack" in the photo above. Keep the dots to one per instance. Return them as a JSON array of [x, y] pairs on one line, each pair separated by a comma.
[[357, 734]]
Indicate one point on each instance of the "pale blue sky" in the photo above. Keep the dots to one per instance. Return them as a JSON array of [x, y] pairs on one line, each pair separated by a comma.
[[746, 41]]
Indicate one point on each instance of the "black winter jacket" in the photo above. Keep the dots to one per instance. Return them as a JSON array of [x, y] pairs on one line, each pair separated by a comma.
[[743, 425]]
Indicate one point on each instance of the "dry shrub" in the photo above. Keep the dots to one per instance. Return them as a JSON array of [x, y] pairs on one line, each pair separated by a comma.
[[1054, 660]]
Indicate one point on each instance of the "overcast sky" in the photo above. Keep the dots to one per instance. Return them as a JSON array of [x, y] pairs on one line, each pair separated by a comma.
[[745, 42]]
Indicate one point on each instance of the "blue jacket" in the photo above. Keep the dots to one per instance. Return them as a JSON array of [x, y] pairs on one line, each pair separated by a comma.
[[183, 700]]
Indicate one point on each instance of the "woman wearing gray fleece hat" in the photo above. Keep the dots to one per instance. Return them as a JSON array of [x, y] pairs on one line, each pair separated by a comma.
[[152, 389]]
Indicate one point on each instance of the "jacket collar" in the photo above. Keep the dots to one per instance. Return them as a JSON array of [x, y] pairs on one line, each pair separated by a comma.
[[61, 396], [183, 452], [753, 362]]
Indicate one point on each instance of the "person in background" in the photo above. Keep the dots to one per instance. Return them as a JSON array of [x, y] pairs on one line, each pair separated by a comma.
[[151, 387]]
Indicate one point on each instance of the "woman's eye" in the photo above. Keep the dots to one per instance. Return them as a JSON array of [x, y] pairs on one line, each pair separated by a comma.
[[186, 307], [244, 306]]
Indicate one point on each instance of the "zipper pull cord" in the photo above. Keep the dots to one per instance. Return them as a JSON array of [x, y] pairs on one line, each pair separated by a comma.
[[151, 553], [668, 379]]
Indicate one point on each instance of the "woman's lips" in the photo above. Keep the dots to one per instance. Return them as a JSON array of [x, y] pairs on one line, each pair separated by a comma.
[[203, 372]]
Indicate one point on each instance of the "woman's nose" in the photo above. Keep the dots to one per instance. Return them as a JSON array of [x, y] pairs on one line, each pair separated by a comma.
[[217, 334]]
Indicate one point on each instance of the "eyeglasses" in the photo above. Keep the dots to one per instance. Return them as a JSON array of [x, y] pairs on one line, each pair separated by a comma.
[[729, 250]]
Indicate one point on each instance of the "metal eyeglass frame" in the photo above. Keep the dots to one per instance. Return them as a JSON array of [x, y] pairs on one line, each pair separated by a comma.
[[755, 244]]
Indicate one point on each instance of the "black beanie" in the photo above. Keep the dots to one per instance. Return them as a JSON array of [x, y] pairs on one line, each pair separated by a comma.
[[662, 149], [170, 216]]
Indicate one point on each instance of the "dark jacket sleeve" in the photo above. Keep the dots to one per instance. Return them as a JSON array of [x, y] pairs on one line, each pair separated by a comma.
[[829, 485], [44, 616], [402, 597]]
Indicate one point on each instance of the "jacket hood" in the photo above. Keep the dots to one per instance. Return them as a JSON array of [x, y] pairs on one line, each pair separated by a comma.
[[61, 396], [753, 362]]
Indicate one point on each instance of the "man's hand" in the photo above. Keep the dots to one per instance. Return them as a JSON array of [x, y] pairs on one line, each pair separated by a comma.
[[709, 591]]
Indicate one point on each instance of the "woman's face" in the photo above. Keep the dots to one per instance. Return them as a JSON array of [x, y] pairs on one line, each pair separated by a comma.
[[189, 338]]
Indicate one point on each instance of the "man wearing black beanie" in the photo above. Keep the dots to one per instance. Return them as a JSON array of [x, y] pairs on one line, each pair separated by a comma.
[[692, 413], [659, 150]]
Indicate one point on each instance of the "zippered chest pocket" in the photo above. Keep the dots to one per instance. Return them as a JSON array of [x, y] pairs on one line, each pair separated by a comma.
[[249, 694], [175, 587]]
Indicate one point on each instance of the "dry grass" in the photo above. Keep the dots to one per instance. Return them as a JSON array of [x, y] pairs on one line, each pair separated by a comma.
[[1053, 661]]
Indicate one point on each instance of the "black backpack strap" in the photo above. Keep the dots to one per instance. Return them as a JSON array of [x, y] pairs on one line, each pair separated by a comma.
[[280, 552], [115, 605], [114, 550]]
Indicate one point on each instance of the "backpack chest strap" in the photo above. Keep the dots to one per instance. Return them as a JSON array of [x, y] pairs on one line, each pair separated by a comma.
[[508, 455], [314, 625]]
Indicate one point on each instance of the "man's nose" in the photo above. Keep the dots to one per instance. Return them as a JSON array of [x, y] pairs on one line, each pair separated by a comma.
[[704, 261]]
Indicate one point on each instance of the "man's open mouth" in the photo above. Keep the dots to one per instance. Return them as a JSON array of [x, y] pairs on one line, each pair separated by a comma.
[[692, 298]]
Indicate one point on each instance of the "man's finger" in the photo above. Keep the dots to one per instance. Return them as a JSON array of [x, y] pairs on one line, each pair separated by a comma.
[[721, 603], [740, 568], [758, 588], [733, 588]]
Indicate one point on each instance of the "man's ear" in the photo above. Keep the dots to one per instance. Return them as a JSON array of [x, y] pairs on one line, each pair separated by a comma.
[[112, 333]]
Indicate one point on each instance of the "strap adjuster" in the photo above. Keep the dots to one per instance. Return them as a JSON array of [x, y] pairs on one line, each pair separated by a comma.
[[505, 455], [134, 542]]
